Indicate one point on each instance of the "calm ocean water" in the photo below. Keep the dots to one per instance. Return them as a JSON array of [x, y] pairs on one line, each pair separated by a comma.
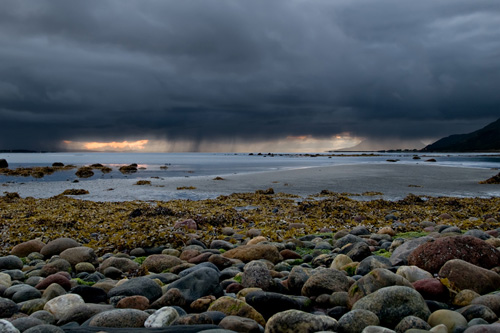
[[219, 164]]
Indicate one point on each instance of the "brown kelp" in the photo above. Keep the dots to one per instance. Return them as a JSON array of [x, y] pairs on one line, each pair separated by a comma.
[[122, 226]]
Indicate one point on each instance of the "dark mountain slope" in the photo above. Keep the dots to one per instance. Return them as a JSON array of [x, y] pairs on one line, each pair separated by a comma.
[[485, 139]]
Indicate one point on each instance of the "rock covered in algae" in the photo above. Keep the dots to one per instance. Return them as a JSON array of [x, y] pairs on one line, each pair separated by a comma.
[[493, 180]]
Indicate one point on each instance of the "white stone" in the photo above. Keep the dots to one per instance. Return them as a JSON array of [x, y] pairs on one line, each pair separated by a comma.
[[441, 328], [162, 317], [7, 327], [377, 329], [60, 305], [5, 280], [413, 273]]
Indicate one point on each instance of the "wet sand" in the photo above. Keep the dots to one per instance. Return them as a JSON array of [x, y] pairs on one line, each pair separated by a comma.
[[394, 181]]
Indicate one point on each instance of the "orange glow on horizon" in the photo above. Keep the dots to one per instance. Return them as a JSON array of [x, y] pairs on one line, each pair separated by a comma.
[[300, 137], [118, 146]]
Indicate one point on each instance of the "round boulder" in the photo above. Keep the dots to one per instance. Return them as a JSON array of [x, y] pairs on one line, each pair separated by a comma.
[[356, 320], [392, 304], [269, 303], [10, 262], [235, 307], [451, 319], [158, 263], [24, 249], [7, 327], [412, 322], [239, 324], [431, 256], [79, 254], [492, 301], [325, 281], [464, 275], [292, 321], [370, 263], [375, 280], [122, 318], [413, 273], [58, 245], [142, 286], [60, 305], [247, 253], [201, 282], [7, 307], [122, 264], [257, 275], [162, 317]]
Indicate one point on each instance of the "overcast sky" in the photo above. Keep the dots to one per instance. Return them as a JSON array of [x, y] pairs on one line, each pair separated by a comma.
[[213, 71]]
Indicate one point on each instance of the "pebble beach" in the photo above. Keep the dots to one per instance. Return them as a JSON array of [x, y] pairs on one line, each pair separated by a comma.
[[348, 248]]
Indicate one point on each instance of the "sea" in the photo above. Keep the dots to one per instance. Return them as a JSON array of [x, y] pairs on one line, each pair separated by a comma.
[[220, 164]]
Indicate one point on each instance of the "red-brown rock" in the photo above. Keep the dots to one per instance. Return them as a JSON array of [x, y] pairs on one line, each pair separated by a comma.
[[123, 264], [158, 263], [247, 253], [189, 254], [60, 279], [432, 289], [134, 302], [23, 249], [200, 258], [431, 256], [289, 254], [463, 275]]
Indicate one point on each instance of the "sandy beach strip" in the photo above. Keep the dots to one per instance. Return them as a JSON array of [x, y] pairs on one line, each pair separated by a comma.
[[394, 181]]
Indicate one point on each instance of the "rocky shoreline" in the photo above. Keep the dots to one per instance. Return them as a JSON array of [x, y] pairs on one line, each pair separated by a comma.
[[258, 262]]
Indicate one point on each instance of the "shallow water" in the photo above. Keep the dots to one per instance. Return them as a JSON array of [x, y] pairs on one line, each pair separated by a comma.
[[213, 164], [203, 167]]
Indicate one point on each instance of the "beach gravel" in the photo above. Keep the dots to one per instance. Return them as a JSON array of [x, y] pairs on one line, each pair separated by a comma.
[[343, 267]]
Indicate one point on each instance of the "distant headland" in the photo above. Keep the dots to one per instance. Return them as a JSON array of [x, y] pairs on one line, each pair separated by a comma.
[[486, 139]]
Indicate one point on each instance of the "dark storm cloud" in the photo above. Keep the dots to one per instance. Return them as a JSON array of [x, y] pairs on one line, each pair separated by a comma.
[[201, 70]]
